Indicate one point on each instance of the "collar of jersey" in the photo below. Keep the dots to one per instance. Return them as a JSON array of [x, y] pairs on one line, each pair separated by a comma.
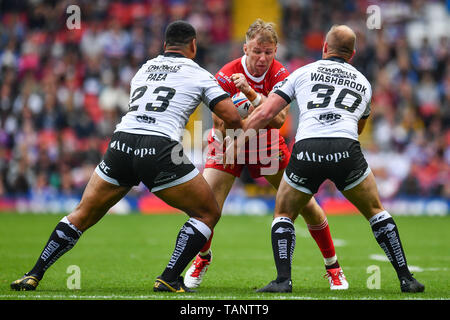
[[173, 54], [255, 79], [337, 59]]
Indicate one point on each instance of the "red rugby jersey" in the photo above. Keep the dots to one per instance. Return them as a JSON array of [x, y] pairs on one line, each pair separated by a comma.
[[263, 84]]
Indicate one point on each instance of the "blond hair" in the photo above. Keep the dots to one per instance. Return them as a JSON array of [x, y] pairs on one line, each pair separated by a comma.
[[264, 31]]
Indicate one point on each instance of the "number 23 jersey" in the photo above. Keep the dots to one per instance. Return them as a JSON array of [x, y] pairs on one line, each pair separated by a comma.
[[164, 93], [332, 97]]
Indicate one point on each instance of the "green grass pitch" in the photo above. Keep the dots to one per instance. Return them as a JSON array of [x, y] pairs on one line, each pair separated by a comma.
[[120, 257]]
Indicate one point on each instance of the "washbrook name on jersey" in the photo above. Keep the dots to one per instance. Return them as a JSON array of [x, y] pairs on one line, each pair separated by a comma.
[[332, 97], [338, 76]]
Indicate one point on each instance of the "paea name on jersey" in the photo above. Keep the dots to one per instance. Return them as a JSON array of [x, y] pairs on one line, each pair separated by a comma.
[[164, 93], [332, 97]]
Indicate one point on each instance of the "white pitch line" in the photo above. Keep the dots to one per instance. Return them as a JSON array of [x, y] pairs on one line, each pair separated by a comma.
[[380, 257], [190, 297], [339, 242]]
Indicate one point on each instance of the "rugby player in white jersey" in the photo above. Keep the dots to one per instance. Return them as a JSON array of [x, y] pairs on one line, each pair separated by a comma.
[[146, 147], [334, 102]]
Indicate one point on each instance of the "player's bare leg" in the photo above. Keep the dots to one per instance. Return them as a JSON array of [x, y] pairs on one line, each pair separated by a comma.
[[319, 229], [98, 197], [221, 183], [196, 198], [312, 213], [365, 197]]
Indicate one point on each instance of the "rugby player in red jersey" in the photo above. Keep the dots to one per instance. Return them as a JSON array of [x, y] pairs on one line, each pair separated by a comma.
[[256, 74]]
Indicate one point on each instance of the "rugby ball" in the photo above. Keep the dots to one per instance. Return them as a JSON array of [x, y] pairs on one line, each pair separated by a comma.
[[242, 104]]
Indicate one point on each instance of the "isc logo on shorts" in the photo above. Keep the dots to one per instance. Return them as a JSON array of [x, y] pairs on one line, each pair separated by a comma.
[[104, 167], [297, 179]]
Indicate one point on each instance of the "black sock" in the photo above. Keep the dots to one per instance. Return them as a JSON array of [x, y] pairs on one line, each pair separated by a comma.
[[333, 266], [283, 244], [63, 238], [191, 238], [386, 233]]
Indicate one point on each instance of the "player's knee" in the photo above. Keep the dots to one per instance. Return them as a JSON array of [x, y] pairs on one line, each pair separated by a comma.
[[208, 214], [311, 208], [291, 216], [214, 215], [79, 219], [84, 218]]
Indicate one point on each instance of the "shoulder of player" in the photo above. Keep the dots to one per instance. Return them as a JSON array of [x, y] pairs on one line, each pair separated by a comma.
[[197, 72], [224, 74], [278, 70], [230, 68], [361, 77]]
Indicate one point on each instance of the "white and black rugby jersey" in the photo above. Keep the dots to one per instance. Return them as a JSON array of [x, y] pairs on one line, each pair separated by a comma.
[[165, 92], [332, 97]]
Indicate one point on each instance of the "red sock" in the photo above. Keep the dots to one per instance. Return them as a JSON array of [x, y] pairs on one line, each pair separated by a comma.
[[207, 245], [321, 234]]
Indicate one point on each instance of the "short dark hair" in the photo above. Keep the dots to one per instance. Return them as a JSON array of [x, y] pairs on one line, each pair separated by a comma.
[[179, 33]]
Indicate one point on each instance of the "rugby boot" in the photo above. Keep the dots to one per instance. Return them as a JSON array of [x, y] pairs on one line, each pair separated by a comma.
[[173, 286], [26, 283], [409, 284], [195, 273], [336, 279], [274, 286]]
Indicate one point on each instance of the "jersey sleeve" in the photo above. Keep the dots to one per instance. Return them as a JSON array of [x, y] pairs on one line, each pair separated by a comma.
[[367, 111], [225, 82], [280, 73], [212, 91], [285, 89], [288, 87]]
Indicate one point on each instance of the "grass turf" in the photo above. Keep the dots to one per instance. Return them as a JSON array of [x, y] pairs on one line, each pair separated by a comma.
[[120, 257]]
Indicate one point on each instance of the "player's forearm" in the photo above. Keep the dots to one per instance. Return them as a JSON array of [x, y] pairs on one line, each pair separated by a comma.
[[259, 119], [265, 113], [219, 124], [278, 121], [233, 123], [254, 97]]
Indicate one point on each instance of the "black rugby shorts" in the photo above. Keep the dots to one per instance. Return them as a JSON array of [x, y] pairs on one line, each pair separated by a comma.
[[317, 159], [159, 162]]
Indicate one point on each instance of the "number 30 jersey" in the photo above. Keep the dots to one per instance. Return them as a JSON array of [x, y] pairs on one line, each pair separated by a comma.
[[165, 92], [332, 97]]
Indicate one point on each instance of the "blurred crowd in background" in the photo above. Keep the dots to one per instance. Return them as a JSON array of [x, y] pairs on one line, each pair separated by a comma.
[[63, 91]]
